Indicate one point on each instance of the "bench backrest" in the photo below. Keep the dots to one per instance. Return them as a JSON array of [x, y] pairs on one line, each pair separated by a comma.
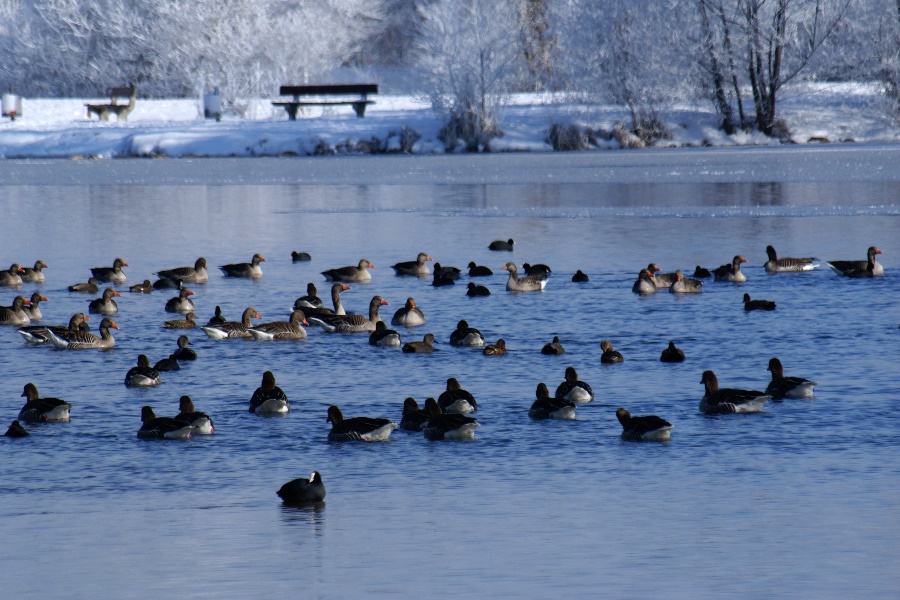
[[314, 90]]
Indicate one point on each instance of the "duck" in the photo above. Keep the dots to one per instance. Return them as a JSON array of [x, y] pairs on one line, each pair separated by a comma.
[[441, 426], [298, 492], [672, 354], [456, 400], [352, 323], [473, 290], [311, 299], [12, 277], [233, 329], [731, 272], [478, 270], [728, 400], [167, 284], [16, 431], [269, 398], [787, 264], [105, 305], [384, 337], [500, 245], [540, 270], [15, 314], [701, 272], [545, 407], [364, 429], [685, 285], [757, 304], [350, 274], [336, 290], [113, 274], [414, 418], [660, 280], [787, 387], [300, 256], [409, 316], [91, 286], [426, 346], [42, 409], [181, 303], [34, 274], [40, 334], [34, 311], [649, 428], [416, 268], [859, 268], [167, 364], [282, 330], [162, 428], [83, 340], [644, 283], [609, 355], [250, 269], [142, 288], [496, 349], [573, 389], [187, 322], [200, 421], [143, 375], [217, 318], [554, 347], [531, 283], [464, 335], [196, 274], [183, 352], [440, 280], [580, 277]]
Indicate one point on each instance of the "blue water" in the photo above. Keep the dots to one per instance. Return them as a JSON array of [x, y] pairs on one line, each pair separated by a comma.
[[799, 501]]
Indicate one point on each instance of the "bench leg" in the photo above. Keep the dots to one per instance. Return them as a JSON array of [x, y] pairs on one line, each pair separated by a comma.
[[291, 111], [360, 109]]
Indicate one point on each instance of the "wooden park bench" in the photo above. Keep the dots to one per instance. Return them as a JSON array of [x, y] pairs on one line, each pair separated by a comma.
[[120, 110], [315, 95]]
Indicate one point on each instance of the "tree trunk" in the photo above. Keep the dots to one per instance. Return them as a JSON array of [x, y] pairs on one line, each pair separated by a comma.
[[721, 100]]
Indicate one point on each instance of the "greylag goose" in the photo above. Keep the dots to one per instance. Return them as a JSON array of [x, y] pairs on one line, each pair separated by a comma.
[[573, 389], [859, 268], [142, 375], [233, 329], [416, 268], [672, 354], [442, 426], [300, 256], [200, 421], [384, 337], [269, 398], [478, 270], [426, 346], [162, 428], [89, 287], [729, 400], [186, 323], [787, 264], [311, 299], [446, 272], [644, 283], [142, 288], [701, 272], [580, 277], [649, 428], [731, 272], [12, 277], [456, 400], [336, 290], [660, 280], [42, 409], [35, 274], [685, 285], [15, 314], [84, 340], [473, 290], [414, 418], [195, 274], [351, 323], [105, 305], [500, 245], [609, 355], [545, 407], [282, 330], [554, 347], [303, 491], [183, 352], [113, 274], [757, 304], [409, 316], [496, 349], [540, 270], [787, 387], [530, 283], [351, 274], [181, 303], [16, 431], [364, 429], [464, 335], [250, 269], [40, 334], [217, 318], [34, 311]]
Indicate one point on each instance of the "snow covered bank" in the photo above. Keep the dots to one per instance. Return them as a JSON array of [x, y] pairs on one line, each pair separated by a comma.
[[59, 128]]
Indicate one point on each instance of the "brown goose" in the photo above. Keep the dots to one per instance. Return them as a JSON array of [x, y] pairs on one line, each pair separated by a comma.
[[757, 304], [609, 355], [672, 354], [661, 280], [731, 272], [365, 429], [89, 287], [195, 274], [384, 337], [455, 399], [531, 283], [545, 407], [464, 335], [685, 285], [34, 311], [233, 329], [142, 288], [351, 323], [858, 267], [426, 346], [350, 274], [787, 387], [15, 314], [250, 269], [40, 334], [554, 347], [142, 375], [414, 418], [442, 426], [12, 277], [729, 400], [282, 330], [269, 398], [105, 305], [336, 290], [409, 316], [310, 300], [500, 245], [42, 409], [416, 268], [644, 283], [186, 323], [113, 274], [181, 303], [649, 428], [159, 428], [787, 264], [35, 274], [200, 421], [573, 389], [496, 349], [82, 340]]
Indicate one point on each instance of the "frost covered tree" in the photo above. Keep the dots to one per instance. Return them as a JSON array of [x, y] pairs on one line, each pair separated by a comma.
[[394, 38]]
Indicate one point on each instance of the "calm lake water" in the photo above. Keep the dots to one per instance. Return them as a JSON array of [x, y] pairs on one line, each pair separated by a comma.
[[802, 500]]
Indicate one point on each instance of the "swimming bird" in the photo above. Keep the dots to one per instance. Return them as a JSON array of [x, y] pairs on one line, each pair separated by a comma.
[[416, 268], [531, 283], [311, 299], [731, 272], [159, 428], [15, 314], [495, 349], [42, 409], [609, 355], [757, 304], [233, 329], [441, 426], [167, 284], [787, 264], [501, 245], [181, 303], [167, 364], [89, 287], [282, 330], [685, 285], [34, 274], [409, 315], [105, 305], [142, 375], [12, 277], [473, 290], [195, 274], [464, 335], [545, 407], [217, 319], [300, 256], [83, 340], [183, 352], [269, 398], [301, 491], [701, 272], [787, 387], [351, 323], [554, 347], [661, 280], [580, 277], [250, 269], [540, 270], [573, 389], [142, 288], [186, 323], [113, 274], [847, 267], [648, 428], [338, 309], [447, 272], [34, 311], [426, 346], [729, 400], [350, 274], [455, 399], [672, 354], [40, 334], [414, 418], [200, 421], [364, 429], [440, 280], [16, 431], [384, 337], [478, 270], [644, 283]]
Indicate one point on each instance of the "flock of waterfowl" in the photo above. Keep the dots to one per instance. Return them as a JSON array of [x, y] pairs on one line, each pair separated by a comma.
[[447, 417]]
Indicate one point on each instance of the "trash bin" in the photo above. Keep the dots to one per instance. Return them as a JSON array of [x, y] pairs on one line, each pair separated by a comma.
[[11, 105], [212, 105]]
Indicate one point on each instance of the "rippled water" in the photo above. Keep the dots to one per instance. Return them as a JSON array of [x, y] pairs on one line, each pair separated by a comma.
[[801, 500]]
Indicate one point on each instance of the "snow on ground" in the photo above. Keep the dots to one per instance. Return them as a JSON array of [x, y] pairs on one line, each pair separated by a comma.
[[59, 128]]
